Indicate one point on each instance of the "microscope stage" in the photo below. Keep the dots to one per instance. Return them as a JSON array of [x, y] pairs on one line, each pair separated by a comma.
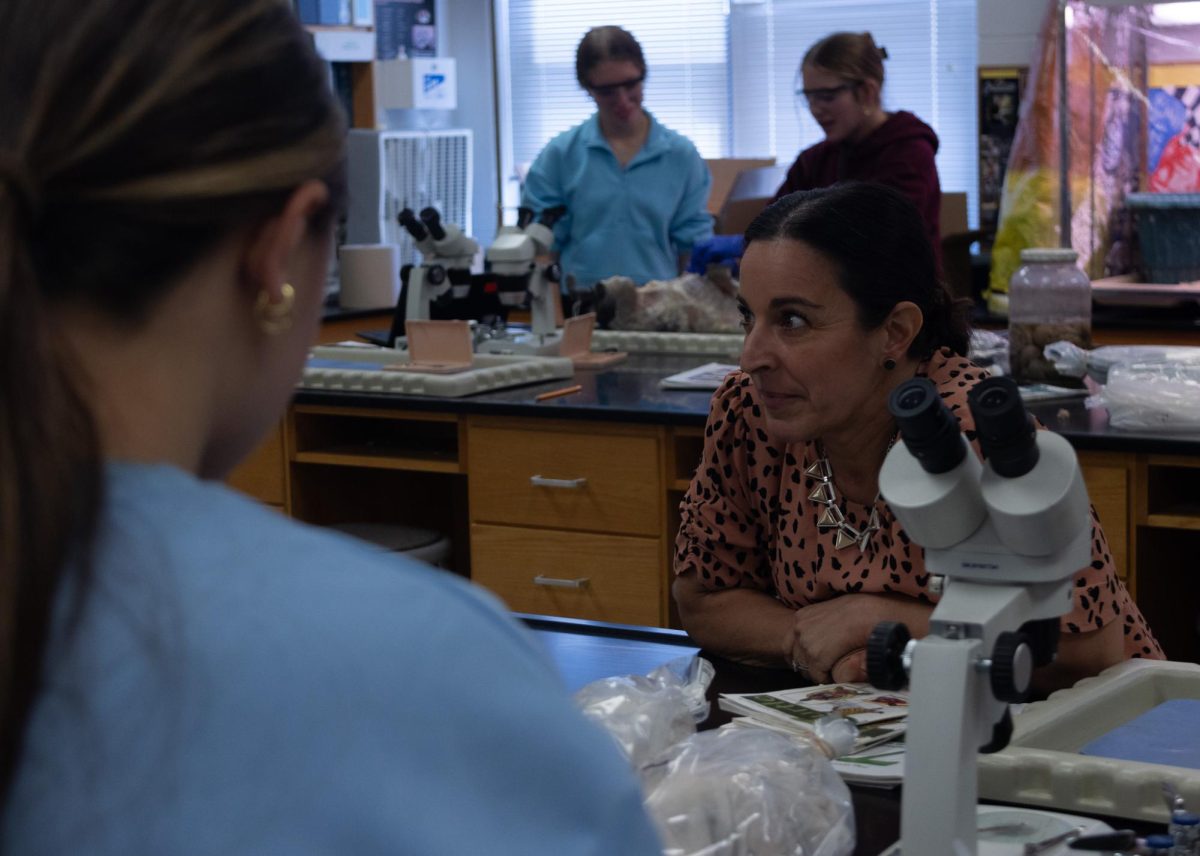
[[526, 344]]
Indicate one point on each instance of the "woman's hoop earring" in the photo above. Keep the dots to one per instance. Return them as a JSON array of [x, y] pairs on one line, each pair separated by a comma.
[[889, 364], [275, 318]]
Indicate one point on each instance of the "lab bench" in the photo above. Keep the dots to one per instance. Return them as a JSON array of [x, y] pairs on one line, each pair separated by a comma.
[[569, 506]]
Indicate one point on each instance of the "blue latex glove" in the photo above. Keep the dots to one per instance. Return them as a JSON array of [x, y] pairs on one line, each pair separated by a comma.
[[719, 249]]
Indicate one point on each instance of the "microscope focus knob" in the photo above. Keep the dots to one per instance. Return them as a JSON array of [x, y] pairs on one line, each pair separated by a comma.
[[554, 272], [885, 655], [436, 275], [1012, 667]]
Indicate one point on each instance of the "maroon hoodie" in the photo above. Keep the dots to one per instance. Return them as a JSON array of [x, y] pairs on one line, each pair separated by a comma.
[[899, 153]]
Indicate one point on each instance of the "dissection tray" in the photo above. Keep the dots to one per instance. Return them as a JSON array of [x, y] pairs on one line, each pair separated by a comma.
[[648, 342], [368, 369], [1043, 766]]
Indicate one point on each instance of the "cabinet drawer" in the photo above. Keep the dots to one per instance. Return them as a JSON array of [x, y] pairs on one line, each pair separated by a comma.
[[578, 575], [593, 482]]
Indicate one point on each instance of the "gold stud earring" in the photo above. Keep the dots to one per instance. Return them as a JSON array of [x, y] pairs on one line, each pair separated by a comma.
[[275, 318]]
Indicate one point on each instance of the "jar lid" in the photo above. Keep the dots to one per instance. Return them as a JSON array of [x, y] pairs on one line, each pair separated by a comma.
[[1049, 254]]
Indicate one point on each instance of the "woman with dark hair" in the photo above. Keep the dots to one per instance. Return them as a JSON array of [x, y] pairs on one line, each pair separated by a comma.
[[842, 86], [787, 556], [635, 191], [183, 670]]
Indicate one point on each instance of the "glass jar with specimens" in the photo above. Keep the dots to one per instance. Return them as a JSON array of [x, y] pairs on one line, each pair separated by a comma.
[[1049, 300]]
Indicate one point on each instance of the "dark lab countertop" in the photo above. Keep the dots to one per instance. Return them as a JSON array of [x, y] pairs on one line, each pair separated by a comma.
[[627, 392], [1182, 318], [630, 392]]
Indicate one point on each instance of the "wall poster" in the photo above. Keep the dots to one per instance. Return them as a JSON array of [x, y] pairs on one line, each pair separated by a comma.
[[1000, 92], [404, 29], [1173, 138]]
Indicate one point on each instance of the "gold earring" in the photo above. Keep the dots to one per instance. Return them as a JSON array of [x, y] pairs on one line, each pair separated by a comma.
[[275, 318]]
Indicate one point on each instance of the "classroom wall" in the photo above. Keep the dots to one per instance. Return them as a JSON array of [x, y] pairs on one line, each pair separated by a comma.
[[1008, 30], [468, 34]]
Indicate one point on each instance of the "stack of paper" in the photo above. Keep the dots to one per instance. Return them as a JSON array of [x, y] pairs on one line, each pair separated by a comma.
[[878, 756], [707, 376]]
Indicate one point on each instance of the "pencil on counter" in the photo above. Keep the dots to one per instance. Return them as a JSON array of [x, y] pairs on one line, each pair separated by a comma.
[[555, 393]]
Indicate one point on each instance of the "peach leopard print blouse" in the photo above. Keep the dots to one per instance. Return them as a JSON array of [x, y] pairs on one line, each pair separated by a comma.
[[747, 520]]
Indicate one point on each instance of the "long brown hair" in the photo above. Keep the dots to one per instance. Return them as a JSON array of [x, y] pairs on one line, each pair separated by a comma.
[[136, 135]]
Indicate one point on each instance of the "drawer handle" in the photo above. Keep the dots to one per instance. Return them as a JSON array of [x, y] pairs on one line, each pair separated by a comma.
[[553, 582], [572, 484]]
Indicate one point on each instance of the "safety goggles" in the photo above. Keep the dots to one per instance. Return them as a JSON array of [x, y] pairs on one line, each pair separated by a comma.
[[610, 90], [827, 95]]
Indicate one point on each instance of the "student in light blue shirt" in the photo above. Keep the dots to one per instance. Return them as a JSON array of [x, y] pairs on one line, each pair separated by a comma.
[[182, 670], [635, 191]]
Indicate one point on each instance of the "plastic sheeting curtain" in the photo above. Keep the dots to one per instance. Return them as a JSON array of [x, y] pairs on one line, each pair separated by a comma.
[[1126, 131]]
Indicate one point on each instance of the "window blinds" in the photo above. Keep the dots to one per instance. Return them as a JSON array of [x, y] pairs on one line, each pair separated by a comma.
[[930, 71], [723, 72]]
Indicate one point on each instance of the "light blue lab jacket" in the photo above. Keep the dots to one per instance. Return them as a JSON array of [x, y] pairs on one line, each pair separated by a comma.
[[632, 221], [238, 683]]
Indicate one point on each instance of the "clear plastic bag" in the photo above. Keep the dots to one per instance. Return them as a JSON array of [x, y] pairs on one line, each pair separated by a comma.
[[749, 792], [990, 350], [1070, 359], [1152, 396], [648, 713]]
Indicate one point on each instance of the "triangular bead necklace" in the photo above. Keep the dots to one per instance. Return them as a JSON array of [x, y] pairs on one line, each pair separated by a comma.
[[825, 494]]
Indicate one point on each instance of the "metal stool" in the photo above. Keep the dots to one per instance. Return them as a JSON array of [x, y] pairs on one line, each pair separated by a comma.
[[426, 545]]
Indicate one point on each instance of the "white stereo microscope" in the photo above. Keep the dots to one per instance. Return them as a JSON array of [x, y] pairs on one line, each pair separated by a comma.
[[517, 258], [444, 273], [1007, 536]]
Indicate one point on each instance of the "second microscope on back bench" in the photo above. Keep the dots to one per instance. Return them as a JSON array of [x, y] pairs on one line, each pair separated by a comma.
[[518, 258], [444, 274]]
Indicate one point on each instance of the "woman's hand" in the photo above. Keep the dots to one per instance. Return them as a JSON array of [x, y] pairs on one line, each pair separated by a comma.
[[828, 639]]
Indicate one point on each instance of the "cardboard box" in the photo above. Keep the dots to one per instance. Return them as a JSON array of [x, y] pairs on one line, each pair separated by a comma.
[[953, 216], [742, 187], [724, 172]]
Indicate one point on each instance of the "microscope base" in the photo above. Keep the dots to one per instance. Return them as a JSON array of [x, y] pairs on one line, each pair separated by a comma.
[[523, 343], [1005, 830]]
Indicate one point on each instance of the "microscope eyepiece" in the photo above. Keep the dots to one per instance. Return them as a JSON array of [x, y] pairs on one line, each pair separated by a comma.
[[1006, 431], [524, 217], [929, 429], [911, 399], [433, 222], [411, 224]]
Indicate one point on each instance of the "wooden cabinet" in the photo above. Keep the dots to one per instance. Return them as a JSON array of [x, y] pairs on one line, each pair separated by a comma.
[[263, 474], [1166, 543], [567, 518], [366, 465], [1107, 476], [578, 518]]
